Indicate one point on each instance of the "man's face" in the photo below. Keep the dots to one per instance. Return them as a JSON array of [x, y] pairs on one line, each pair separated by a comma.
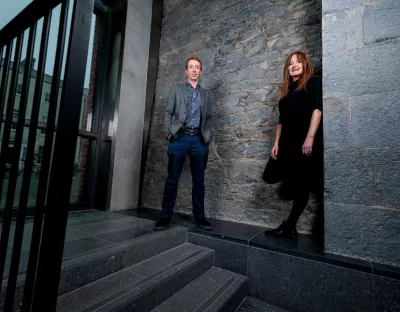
[[193, 70]]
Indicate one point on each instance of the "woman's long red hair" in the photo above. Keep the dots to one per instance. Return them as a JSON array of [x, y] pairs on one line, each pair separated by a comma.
[[308, 71]]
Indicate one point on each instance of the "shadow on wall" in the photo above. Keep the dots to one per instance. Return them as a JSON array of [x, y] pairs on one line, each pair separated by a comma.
[[243, 48]]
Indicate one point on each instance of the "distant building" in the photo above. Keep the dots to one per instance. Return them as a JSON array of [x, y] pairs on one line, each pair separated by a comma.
[[43, 114]]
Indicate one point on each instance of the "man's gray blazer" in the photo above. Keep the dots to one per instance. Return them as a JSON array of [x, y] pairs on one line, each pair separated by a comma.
[[176, 108]]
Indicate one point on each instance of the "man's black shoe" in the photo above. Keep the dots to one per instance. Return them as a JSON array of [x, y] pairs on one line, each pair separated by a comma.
[[161, 225], [203, 223]]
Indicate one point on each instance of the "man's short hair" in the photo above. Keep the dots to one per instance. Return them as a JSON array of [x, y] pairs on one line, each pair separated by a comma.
[[194, 58]]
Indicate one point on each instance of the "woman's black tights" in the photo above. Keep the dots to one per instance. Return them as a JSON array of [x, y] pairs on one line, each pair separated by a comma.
[[301, 196]]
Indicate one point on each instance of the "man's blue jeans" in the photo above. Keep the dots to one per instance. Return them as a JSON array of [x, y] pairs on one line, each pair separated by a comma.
[[178, 149]]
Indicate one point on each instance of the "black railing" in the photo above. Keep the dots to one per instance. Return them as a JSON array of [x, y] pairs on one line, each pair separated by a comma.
[[19, 228], [51, 211]]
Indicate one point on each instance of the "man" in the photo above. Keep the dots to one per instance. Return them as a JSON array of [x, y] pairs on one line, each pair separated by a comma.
[[188, 128]]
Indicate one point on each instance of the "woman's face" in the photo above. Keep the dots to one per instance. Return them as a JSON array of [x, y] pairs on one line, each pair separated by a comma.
[[295, 67]]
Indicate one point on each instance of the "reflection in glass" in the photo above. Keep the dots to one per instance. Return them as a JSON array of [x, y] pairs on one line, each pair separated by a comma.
[[11, 151], [36, 170], [84, 146], [79, 191], [89, 89]]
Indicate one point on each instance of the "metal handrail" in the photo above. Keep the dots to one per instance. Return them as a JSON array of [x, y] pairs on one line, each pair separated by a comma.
[[32, 13]]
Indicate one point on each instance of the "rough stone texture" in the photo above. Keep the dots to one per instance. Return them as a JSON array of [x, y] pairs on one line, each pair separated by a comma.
[[352, 75], [338, 127], [363, 176], [298, 284], [382, 21], [331, 5], [382, 110], [361, 129], [375, 229], [243, 45]]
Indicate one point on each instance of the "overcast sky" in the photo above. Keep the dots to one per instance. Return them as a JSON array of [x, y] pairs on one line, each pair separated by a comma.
[[9, 9]]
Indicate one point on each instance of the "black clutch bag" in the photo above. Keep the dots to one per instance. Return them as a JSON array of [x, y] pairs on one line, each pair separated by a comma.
[[273, 172]]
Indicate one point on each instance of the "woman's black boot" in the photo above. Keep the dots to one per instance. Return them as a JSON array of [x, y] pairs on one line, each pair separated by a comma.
[[282, 231]]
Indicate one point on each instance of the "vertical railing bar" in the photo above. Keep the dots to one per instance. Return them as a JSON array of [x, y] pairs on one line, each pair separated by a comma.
[[5, 231], [21, 214], [58, 200], [38, 218], [1, 61], [3, 88]]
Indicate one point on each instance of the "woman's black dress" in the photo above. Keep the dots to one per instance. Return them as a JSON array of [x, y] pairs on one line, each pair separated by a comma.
[[296, 109]]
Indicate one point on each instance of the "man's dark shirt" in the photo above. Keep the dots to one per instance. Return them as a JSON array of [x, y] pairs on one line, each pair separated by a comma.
[[193, 109]]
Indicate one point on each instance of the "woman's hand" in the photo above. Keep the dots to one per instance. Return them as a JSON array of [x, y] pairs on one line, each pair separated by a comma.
[[274, 151], [307, 146]]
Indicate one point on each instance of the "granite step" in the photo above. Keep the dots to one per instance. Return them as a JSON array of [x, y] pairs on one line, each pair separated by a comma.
[[96, 264], [216, 290], [81, 237], [253, 305], [143, 286]]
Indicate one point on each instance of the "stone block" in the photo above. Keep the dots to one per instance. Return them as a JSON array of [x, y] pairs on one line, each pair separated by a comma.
[[375, 120], [365, 177], [85, 297], [98, 228], [80, 272], [349, 74], [214, 290], [354, 28], [172, 280], [381, 21], [387, 294], [253, 305], [334, 27], [365, 231], [298, 284], [140, 297], [153, 245], [85, 220], [336, 123], [336, 5], [228, 255], [83, 245], [127, 234]]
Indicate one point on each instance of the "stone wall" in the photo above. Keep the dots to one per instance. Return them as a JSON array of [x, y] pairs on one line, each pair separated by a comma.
[[361, 44], [243, 45]]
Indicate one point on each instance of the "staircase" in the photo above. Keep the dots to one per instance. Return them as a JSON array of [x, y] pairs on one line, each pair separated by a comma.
[[150, 277], [118, 263]]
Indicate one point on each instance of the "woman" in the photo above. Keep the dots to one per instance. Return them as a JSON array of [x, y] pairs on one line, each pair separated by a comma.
[[298, 141]]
